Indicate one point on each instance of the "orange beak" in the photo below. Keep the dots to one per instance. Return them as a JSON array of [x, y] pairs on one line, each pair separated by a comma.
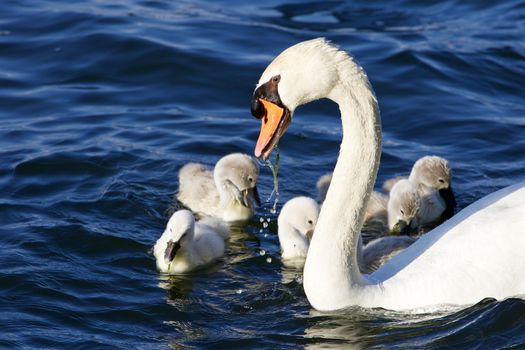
[[273, 126]]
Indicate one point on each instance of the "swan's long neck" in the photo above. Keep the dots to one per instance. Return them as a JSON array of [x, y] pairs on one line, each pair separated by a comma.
[[332, 279]]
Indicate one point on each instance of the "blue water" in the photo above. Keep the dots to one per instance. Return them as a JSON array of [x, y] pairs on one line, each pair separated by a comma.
[[101, 102]]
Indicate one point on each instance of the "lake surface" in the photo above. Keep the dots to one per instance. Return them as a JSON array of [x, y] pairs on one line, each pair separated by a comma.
[[101, 102]]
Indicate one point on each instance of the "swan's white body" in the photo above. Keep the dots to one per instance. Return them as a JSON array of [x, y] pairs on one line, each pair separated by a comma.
[[476, 254], [200, 242], [226, 193]]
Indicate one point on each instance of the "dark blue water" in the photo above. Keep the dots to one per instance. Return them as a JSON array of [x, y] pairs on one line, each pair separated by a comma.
[[101, 102]]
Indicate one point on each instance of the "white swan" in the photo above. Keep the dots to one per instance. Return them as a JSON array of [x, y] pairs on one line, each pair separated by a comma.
[[403, 207], [186, 245], [433, 178], [229, 193], [477, 253]]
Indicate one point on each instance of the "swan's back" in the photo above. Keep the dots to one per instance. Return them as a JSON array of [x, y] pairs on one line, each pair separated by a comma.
[[476, 254], [197, 188]]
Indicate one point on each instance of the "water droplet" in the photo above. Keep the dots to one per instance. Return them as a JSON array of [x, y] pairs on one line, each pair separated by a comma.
[[261, 219], [239, 291], [262, 252], [268, 260], [273, 210], [265, 224], [268, 219], [260, 230], [265, 235]]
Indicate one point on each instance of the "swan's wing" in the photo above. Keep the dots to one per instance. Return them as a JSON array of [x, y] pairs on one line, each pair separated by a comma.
[[197, 188], [379, 251], [477, 253]]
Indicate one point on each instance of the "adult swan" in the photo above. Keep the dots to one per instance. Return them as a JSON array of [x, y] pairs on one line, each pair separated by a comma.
[[478, 253]]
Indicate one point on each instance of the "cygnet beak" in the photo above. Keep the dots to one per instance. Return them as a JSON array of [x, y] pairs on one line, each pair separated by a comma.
[[310, 234], [250, 196], [401, 228], [171, 251]]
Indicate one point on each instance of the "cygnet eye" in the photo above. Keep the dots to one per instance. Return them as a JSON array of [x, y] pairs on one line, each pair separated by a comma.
[[310, 222], [402, 212], [276, 78], [250, 179], [441, 181]]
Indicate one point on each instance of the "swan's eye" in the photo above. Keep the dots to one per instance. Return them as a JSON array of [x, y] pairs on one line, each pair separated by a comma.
[[276, 78], [310, 222]]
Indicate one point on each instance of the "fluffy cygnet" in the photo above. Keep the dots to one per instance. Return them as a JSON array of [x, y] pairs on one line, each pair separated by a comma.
[[187, 245], [229, 192], [296, 224], [403, 206], [433, 178]]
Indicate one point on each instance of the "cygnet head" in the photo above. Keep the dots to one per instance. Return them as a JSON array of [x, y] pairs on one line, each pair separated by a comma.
[[432, 171], [180, 230], [285, 85], [403, 205], [236, 176], [301, 214]]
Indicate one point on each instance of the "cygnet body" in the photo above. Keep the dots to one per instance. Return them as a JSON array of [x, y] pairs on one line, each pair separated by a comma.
[[229, 192], [186, 245]]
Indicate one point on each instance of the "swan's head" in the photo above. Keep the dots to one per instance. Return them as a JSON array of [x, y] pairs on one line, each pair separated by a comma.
[[180, 229], [237, 175], [403, 205], [299, 214], [302, 73], [434, 172]]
